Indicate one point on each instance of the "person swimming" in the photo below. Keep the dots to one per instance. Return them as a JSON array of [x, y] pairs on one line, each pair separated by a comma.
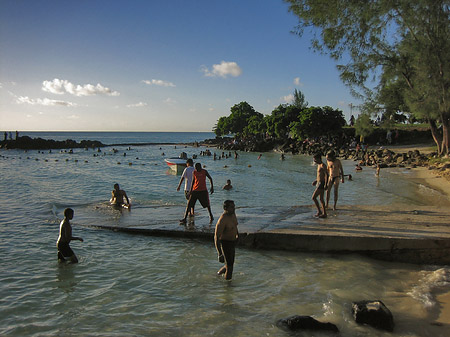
[[228, 185]]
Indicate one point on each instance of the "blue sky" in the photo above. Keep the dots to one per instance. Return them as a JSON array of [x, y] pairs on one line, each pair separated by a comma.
[[153, 65]]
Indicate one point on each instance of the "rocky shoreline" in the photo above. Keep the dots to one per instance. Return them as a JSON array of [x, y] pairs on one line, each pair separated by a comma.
[[377, 157], [380, 156]]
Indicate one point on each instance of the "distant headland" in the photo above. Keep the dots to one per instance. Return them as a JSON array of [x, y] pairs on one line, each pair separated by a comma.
[[28, 143]]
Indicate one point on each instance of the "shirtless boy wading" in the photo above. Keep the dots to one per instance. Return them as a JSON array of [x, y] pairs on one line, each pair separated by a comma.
[[65, 236], [225, 237], [117, 197]]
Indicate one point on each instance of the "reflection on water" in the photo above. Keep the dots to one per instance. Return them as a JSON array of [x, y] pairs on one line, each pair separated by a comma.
[[133, 285], [66, 278]]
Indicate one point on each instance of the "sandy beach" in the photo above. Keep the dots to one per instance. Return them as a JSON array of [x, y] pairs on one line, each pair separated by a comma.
[[439, 183], [432, 180]]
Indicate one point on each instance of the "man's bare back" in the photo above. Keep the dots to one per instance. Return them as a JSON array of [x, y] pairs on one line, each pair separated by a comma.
[[118, 196]]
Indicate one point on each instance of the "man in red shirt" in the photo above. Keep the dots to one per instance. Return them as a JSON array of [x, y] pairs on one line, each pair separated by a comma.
[[199, 191]]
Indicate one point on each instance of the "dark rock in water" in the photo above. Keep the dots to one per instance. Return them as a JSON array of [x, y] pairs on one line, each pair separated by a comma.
[[373, 313], [29, 143], [296, 322]]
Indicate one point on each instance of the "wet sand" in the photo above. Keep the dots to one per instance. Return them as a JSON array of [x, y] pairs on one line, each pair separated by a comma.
[[443, 185]]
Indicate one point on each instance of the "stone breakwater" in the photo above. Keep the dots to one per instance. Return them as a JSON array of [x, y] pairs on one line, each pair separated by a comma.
[[28, 143]]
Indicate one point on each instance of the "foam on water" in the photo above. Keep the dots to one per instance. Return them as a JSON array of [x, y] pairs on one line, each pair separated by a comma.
[[428, 282]]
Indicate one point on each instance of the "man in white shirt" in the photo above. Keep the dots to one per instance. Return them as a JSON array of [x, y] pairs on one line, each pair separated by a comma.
[[187, 176]]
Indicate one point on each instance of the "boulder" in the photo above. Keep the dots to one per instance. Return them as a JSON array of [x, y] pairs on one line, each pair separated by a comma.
[[373, 313], [295, 323]]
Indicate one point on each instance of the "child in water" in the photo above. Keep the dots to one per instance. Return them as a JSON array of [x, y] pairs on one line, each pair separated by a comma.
[[65, 236], [228, 185]]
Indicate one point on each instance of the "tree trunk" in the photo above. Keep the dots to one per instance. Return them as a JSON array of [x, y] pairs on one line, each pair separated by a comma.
[[436, 136], [445, 136]]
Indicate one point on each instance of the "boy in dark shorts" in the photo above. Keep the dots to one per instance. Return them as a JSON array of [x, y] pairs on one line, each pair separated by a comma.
[[321, 185], [65, 236], [117, 197], [225, 237], [199, 191]]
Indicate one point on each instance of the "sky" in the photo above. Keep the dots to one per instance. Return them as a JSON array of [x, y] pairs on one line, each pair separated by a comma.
[[147, 65]]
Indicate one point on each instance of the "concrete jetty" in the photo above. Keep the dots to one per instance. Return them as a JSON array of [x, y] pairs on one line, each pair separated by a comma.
[[413, 234]]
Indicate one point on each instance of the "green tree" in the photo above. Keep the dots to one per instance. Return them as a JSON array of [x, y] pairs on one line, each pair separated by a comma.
[[222, 127], [409, 40], [363, 125], [299, 100], [277, 124], [255, 126], [316, 122], [391, 99], [237, 121]]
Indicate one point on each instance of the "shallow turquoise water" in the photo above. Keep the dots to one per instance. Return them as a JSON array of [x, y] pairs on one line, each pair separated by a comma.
[[132, 285]]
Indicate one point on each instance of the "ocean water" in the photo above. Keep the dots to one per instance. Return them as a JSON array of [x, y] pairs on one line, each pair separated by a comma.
[[129, 285]]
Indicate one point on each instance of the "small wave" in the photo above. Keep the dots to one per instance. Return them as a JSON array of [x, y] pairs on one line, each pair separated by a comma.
[[430, 190], [430, 281]]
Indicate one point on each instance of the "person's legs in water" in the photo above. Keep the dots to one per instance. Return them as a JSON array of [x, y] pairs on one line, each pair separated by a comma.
[[228, 249]]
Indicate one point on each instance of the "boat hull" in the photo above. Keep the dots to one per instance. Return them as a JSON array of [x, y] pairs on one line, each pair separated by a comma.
[[176, 164]]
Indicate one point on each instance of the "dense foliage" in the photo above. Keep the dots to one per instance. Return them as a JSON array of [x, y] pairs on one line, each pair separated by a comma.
[[238, 121], [317, 121], [294, 120], [363, 126], [401, 46]]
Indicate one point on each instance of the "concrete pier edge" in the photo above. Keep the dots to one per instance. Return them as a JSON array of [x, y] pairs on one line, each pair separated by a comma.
[[409, 250]]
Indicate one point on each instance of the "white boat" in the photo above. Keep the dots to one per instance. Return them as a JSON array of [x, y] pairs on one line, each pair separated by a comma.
[[176, 163]]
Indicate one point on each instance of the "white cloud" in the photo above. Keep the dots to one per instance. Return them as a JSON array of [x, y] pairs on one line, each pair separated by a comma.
[[160, 83], [60, 87], [288, 98], [137, 105], [43, 101], [223, 70], [73, 117], [170, 101], [297, 81]]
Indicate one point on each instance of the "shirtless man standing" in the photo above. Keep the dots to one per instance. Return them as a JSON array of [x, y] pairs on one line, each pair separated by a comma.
[[117, 197], [65, 236], [321, 185], [335, 174], [225, 237]]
